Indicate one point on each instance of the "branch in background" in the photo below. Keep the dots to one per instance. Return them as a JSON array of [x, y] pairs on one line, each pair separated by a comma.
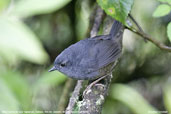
[[74, 97], [145, 36], [76, 92], [97, 22], [65, 95]]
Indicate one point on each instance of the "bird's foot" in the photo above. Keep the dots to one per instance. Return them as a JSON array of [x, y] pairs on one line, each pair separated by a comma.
[[88, 89]]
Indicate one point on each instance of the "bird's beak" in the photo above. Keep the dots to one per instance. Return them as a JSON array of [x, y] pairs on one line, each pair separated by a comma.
[[52, 69]]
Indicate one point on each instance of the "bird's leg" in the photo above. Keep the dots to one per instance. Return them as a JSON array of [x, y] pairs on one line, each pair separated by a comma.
[[93, 83]]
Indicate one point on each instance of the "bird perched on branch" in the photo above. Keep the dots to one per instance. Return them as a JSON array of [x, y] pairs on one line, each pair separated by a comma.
[[91, 58]]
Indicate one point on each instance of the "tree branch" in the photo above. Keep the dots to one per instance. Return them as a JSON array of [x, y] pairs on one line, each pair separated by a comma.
[[145, 36], [76, 92], [94, 98], [65, 95]]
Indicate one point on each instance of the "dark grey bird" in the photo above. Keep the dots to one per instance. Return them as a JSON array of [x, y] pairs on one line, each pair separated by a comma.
[[91, 58]]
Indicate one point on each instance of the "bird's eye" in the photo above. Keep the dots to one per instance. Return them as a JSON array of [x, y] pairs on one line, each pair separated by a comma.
[[62, 64]]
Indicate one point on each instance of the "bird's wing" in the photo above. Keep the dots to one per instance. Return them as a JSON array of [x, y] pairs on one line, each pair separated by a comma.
[[106, 51], [97, 52]]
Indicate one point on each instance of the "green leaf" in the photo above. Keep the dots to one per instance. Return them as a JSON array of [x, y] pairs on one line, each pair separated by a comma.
[[118, 9], [162, 10], [17, 39], [25, 8], [169, 31], [165, 1], [167, 97], [131, 98]]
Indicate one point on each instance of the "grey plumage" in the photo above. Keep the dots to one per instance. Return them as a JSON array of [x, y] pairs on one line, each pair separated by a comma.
[[92, 57]]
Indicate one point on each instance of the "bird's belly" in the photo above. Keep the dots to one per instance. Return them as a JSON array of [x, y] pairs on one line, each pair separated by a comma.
[[94, 74]]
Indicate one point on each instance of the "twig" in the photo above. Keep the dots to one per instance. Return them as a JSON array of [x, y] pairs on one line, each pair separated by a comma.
[[65, 95], [78, 86], [97, 22], [158, 44], [138, 26]]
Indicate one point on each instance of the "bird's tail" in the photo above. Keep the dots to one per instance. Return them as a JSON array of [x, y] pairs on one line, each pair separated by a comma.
[[117, 29]]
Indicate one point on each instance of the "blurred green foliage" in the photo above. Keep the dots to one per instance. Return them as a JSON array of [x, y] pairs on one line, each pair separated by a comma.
[[168, 31], [138, 106], [167, 94], [34, 32], [19, 43], [17, 87], [162, 10], [25, 8]]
